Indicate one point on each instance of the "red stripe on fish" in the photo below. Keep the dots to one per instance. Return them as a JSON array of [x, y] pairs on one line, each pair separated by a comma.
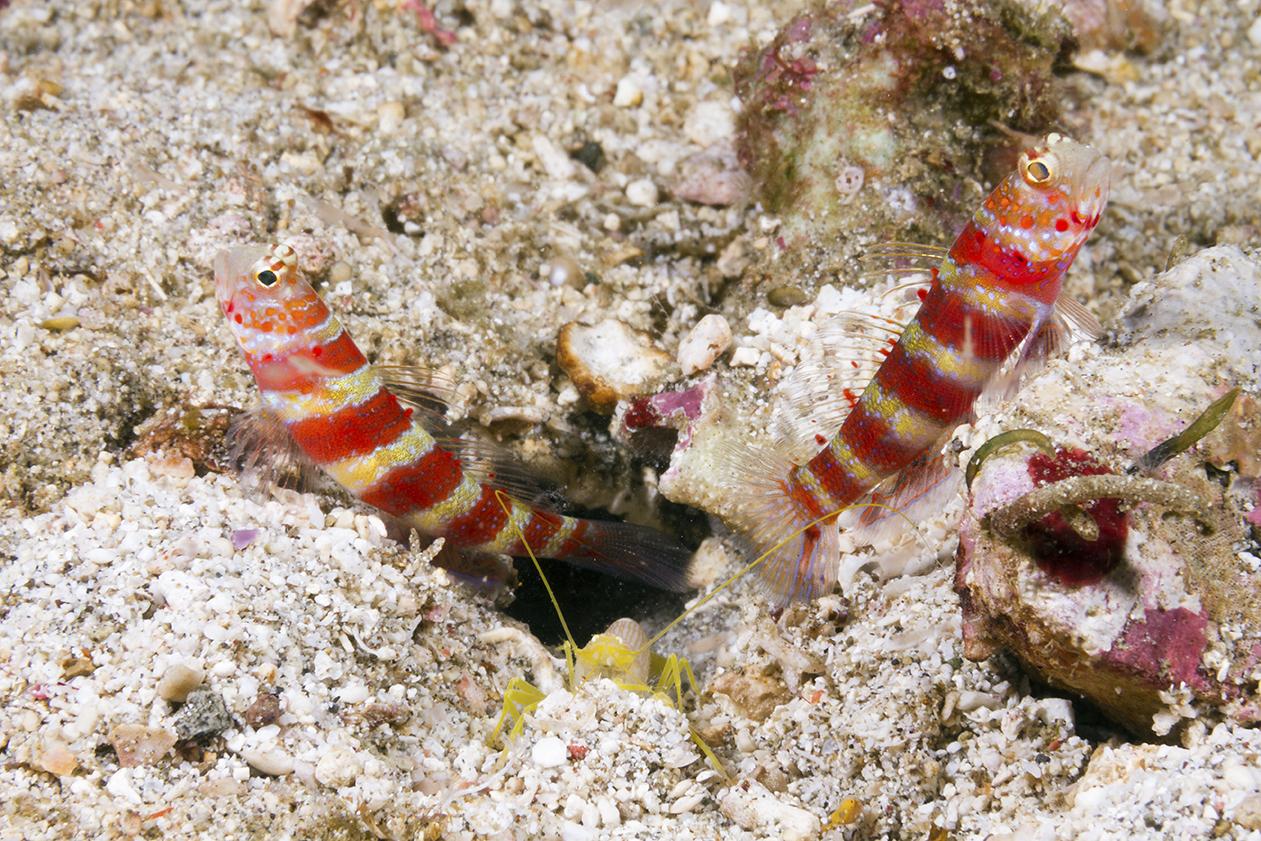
[[540, 529], [920, 386], [481, 523], [307, 369], [877, 443], [418, 485], [950, 319], [573, 545], [974, 247], [837, 480], [352, 431]]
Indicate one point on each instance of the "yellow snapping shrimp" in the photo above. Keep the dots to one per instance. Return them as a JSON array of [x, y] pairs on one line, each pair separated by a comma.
[[623, 653]]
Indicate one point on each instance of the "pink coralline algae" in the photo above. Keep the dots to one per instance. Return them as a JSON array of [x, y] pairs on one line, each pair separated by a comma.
[[241, 538], [1123, 619], [1164, 648], [669, 426], [785, 78], [428, 22], [675, 409]]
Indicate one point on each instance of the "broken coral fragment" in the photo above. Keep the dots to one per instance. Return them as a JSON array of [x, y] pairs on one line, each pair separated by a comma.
[[610, 361], [1115, 619]]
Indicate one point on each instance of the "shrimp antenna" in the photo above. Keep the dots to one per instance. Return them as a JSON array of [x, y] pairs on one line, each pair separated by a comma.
[[502, 499]]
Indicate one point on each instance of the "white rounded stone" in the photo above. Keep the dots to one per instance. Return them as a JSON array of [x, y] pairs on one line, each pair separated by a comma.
[[708, 340], [274, 762], [709, 122], [178, 680], [641, 193], [629, 94], [548, 752], [338, 767], [390, 116]]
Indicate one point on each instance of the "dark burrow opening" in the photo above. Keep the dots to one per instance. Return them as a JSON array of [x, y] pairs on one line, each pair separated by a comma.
[[592, 601]]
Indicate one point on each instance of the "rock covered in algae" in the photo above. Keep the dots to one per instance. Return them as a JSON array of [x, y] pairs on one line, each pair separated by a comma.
[[880, 118], [1170, 628]]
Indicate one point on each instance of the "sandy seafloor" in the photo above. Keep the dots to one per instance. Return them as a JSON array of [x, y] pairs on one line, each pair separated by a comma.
[[139, 138]]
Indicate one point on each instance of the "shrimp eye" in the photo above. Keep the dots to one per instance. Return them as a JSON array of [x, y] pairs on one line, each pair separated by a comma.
[[1037, 172], [266, 277]]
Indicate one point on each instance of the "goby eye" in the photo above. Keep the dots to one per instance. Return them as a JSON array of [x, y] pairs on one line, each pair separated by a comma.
[[266, 277], [1037, 171]]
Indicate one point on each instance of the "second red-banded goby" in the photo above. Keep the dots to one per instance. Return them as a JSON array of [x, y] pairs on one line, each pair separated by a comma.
[[994, 304], [343, 417]]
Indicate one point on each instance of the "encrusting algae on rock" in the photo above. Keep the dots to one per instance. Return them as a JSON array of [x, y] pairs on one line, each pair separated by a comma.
[[1151, 613], [863, 117]]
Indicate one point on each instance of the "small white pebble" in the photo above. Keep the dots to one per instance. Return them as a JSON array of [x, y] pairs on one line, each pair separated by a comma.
[[1254, 32], [390, 116], [555, 162], [609, 816], [709, 122], [9, 230], [338, 767], [352, 693], [719, 13], [120, 786], [641, 193], [340, 272], [548, 752], [745, 356], [563, 271], [574, 806], [274, 762], [178, 680], [629, 94], [970, 700], [681, 788], [708, 340], [686, 804], [570, 831]]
